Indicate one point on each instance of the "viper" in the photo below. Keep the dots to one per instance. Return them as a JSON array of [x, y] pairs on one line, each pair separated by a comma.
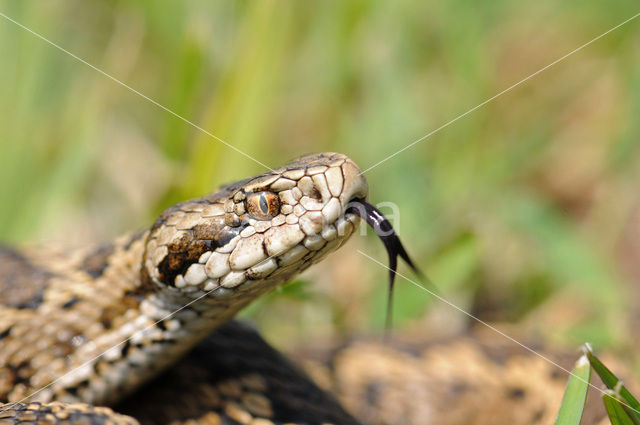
[[144, 324], [91, 326]]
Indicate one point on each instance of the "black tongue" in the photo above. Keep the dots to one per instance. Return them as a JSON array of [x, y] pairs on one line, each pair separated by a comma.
[[392, 243]]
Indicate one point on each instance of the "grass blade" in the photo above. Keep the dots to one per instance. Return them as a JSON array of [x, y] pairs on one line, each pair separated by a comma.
[[575, 395], [630, 404], [615, 410]]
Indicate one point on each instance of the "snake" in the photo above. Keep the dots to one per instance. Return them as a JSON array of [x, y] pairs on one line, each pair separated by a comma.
[[141, 330], [83, 329]]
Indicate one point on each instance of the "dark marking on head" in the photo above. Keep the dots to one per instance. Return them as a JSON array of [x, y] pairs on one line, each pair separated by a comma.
[[206, 230], [186, 250], [231, 220], [207, 235], [22, 283], [182, 253]]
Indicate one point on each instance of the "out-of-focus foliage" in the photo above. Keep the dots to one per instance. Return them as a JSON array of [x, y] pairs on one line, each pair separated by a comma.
[[525, 210]]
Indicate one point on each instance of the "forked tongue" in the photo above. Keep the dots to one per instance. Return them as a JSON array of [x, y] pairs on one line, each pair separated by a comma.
[[392, 243]]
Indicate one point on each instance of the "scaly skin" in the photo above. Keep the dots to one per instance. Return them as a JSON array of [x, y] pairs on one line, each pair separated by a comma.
[[93, 325]]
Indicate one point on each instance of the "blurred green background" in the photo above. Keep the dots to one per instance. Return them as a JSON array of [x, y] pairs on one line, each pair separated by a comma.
[[525, 212]]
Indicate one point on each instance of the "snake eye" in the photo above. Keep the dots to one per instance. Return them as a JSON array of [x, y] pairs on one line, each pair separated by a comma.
[[262, 205]]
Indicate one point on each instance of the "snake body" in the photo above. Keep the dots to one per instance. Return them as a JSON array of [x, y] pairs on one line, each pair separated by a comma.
[[93, 325]]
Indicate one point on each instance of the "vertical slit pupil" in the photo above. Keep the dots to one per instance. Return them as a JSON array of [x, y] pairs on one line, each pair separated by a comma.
[[264, 206]]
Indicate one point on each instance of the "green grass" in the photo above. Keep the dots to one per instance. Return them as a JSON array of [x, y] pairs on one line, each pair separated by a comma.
[[575, 396], [520, 211], [621, 406]]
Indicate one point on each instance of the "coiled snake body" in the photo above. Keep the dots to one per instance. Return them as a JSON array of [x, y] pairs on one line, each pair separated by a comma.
[[88, 328]]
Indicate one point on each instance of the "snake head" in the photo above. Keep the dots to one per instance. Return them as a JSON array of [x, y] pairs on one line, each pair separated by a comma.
[[258, 232]]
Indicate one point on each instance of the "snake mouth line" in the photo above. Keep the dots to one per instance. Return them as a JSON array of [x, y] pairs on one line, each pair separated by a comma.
[[390, 239]]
